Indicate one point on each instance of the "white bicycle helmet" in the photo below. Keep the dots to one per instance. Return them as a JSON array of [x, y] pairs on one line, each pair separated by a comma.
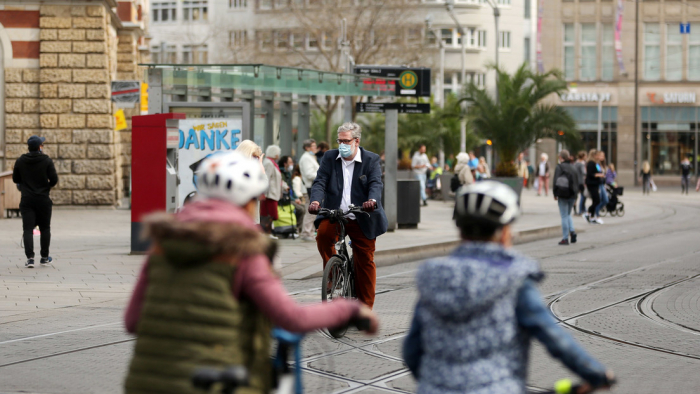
[[231, 177], [490, 202]]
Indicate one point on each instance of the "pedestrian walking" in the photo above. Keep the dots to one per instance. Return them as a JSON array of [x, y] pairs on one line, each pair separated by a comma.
[[521, 165], [594, 177], [580, 167], [299, 201], [611, 175], [268, 207], [543, 175], [645, 177], [565, 189], [604, 199], [321, 150], [479, 308], [35, 174], [420, 165], [462, 170], [685, 175], [308, 165], [530, 174], [206, 296]]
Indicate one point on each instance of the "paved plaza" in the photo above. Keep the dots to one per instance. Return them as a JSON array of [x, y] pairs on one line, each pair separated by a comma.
[[628, 291]]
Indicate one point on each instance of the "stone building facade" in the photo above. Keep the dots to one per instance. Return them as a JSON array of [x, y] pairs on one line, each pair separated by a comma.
[[63, 56]]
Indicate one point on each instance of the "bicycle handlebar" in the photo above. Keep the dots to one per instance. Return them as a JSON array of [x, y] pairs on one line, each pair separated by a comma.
[[339, 213], [565, 386]]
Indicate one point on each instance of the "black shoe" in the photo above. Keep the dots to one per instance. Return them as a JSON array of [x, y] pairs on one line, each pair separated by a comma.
[[425, 203], [573, 237], [564, 242], [45, 260], [29, 263]]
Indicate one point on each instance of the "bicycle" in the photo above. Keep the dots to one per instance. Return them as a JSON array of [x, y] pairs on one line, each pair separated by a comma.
[[287, 379], [339, 274]]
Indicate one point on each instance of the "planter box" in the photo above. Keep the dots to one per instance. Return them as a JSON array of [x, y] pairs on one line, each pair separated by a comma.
[[516, 183]]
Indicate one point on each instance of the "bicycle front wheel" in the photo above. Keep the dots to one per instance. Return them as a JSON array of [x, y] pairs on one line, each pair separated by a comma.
[[335, 285]]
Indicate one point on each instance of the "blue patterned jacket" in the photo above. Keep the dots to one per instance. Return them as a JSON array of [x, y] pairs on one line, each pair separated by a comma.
[[477, 311]]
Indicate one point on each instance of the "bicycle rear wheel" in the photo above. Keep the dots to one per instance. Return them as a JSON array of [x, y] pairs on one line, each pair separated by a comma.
[[335, 285]]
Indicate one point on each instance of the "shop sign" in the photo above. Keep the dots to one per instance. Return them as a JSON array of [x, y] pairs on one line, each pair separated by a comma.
[[585, 97], [672, 98]]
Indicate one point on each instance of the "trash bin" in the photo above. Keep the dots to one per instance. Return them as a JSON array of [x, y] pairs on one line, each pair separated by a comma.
[[408, 203], [9, 195]]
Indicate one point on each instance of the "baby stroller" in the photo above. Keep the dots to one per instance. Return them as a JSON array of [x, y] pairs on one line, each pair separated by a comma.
[[286, 224], [614, 206]]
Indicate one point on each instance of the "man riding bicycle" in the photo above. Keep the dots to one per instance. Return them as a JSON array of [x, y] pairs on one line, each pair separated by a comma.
[[479, 307], [351, 175]]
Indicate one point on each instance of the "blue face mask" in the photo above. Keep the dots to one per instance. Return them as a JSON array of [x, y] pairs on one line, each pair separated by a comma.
[[345, 150]]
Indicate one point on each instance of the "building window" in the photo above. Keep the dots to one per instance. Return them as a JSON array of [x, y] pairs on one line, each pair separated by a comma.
[[414, 36], [608, 56], [652, 52], [297, 40], [282, 41], [446, 35], [311, 42], [674, 53], [265, 4], [155, 54], [588, 51], [281, 4], [327, 41], [694, 52], [194, 10], [569, 56], [526, 50], [503, 2], [666, 148], [201, 54], [527, 9], [266, 39], [170, 54], [237, 38], [479, 79], [187, 54], [481, 34], [504, 40], [238, 3], [164, 12]]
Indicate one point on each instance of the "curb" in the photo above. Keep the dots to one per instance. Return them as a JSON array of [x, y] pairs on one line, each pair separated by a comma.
[[388, 257]]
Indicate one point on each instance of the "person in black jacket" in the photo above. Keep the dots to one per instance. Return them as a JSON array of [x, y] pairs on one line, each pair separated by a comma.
[[35, 174], [565, 190], [594, 178]]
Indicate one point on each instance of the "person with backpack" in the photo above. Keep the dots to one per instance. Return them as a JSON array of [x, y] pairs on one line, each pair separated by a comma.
[[463, 173], [565, 190], [479, 308]]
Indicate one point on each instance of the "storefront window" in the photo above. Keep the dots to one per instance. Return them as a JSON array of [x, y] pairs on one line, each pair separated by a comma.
[[666, 149]]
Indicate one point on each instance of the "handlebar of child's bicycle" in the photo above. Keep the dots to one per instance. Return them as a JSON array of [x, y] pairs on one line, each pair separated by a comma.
[[565, 386]]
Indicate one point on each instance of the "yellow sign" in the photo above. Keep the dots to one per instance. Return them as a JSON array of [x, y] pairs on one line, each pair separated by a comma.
[[408, 79], [121, 120], [144, 98]]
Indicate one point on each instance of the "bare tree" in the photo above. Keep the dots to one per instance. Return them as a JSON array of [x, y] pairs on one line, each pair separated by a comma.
[[307, 34]]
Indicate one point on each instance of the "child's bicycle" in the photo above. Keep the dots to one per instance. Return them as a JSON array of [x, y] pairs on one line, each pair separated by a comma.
[[339, 274], [287, 378]]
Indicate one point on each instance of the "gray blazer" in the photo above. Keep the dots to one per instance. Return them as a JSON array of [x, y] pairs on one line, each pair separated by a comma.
[[274, 192]]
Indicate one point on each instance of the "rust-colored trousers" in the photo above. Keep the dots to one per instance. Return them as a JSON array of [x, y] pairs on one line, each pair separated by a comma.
[[363, 251]]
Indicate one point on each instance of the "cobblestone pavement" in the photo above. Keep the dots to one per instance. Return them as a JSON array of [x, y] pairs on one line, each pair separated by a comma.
[[627, 291]]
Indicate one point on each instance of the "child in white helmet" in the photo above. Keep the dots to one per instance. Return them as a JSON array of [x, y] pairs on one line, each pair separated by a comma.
[[206, 296]]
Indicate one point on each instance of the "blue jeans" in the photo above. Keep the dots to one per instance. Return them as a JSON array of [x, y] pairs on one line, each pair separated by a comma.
[[582, 204], [567, 223], [422, 178], [603, 200]]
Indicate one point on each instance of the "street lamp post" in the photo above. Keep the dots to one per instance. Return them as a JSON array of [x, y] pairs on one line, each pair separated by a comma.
[[441, 77], [450, 5]]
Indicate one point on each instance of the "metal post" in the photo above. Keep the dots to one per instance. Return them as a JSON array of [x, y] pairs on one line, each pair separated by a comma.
[[286, 124], [155, 91], [496, 14], [268, 107], [302, 124], [391, 143], [600, 121], [249, 97], [442, 98], [636, 91], [345, 44]]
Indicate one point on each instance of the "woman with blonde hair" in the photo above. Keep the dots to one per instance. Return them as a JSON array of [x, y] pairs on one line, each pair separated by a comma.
[[250, 149], [594, 178], [645, 176], [543, 175]]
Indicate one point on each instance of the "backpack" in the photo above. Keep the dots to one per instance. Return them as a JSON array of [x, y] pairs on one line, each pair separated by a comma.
[[455, 184], [564, 185]]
